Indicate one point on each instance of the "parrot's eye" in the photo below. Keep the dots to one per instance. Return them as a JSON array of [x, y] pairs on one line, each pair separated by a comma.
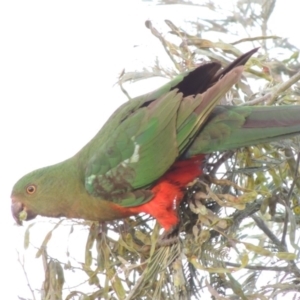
[[31, 189]]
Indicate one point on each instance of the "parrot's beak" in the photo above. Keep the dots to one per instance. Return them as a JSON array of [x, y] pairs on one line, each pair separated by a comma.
[[20, 212], [16, 209]]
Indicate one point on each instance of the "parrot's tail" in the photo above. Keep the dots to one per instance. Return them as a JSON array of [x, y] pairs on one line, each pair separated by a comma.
[[230, 127]]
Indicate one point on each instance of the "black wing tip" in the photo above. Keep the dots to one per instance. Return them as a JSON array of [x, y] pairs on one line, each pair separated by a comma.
[[240, 61], [204, 76], [198, 80]]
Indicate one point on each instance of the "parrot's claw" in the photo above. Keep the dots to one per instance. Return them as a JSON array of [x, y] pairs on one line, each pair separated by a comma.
[[169, 237]]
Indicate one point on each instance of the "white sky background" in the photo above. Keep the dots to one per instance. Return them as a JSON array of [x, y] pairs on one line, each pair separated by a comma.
[[58, 63]]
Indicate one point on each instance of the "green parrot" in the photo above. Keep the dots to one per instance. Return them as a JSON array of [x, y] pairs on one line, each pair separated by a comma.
[[150, 149]]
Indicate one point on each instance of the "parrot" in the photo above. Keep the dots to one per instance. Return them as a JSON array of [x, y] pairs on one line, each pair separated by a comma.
[[151, 148]]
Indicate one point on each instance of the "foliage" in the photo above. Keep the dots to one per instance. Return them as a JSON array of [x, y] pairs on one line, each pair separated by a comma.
[[238, 237]]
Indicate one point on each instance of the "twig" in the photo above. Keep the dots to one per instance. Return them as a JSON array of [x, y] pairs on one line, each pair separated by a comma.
[[271, 97], [220, 161], [294, 166], [289, 153], [258, 268], [280, 88], [26, 276], [261, 224], [264, 98], [155, 32], [257, 38], [280, 219]]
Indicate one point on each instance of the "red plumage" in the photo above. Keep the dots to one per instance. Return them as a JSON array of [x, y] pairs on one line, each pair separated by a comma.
[[169, 191]]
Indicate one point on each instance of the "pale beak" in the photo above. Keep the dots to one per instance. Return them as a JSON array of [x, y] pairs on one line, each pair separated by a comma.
[[16, 209]]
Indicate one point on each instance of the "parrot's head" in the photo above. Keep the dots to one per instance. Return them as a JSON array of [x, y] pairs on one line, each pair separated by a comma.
[[36, 194]]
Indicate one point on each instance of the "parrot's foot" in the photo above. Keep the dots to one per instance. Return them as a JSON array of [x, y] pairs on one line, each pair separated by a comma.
[[169, 237]]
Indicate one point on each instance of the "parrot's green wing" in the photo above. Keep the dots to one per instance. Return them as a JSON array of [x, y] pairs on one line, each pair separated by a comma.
[[128, 159], [141, 145]]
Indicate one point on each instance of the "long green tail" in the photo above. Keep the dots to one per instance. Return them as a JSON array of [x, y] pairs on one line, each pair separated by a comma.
[[230, 127]]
